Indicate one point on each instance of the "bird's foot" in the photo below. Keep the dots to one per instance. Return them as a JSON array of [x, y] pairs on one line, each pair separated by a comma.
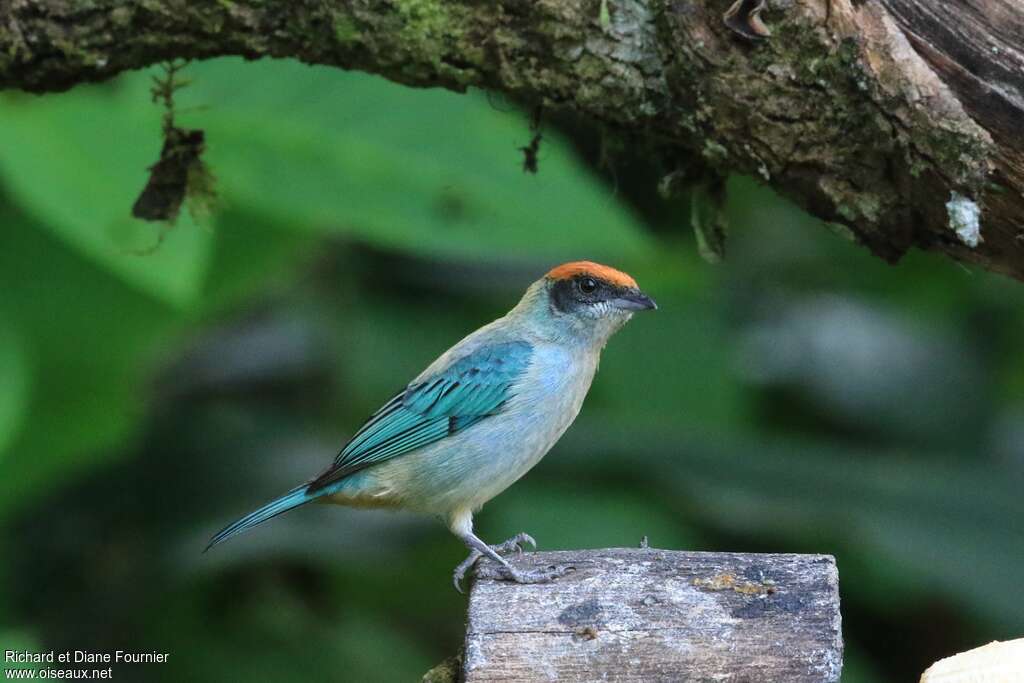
[[509, 573], [516, 545]]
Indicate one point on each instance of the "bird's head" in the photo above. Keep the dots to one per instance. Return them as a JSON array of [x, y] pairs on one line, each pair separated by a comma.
[[586, 300]]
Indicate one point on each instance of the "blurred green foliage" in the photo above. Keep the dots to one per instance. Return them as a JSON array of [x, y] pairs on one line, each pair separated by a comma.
[[157, 381]]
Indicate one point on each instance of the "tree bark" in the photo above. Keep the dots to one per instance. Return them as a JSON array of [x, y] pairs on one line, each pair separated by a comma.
[[657, 615], [898, 119]]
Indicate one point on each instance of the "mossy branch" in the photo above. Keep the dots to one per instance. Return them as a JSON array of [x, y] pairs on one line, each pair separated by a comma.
[[869, 114]]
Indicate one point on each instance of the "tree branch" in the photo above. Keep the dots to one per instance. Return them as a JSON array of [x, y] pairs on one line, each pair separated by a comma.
[[899, 119]]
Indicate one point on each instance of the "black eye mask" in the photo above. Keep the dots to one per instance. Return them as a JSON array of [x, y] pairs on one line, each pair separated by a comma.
[[568, 295]]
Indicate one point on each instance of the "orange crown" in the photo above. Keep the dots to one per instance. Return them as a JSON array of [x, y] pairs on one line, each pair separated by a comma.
[[595, 270]]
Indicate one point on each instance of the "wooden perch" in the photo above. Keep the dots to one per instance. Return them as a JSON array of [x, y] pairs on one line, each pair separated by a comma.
[[658, 615]]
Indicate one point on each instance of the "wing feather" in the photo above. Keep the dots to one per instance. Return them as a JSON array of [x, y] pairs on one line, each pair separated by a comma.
[[470, 389]]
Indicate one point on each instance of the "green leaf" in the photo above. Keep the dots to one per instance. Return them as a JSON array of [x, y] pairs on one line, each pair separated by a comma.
[[75, 162], [315, 151], [425, 171]]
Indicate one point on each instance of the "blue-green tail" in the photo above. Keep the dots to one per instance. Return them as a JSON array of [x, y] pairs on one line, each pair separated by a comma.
[[289, 501]]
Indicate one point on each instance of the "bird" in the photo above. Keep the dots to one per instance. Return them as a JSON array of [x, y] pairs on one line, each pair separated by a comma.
[[480, 416]]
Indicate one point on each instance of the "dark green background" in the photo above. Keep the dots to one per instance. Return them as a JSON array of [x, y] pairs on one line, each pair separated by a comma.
[[800, 397]]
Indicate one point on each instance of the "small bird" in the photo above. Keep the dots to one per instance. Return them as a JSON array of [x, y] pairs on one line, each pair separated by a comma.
[[480, 416]]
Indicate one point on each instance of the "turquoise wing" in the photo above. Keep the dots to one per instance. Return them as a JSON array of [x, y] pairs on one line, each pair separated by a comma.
[[467, 391]]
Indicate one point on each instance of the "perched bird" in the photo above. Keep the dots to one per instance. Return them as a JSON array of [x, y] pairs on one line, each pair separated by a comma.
[[480, 416]]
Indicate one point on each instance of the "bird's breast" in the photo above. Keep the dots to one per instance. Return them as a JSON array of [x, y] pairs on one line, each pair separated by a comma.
[[472, 466], [548, 399]]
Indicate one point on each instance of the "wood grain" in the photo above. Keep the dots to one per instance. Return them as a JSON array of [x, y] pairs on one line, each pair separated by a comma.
[[658, 615]]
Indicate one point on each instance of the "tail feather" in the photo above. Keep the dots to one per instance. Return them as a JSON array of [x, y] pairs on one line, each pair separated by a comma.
[[289, 501]]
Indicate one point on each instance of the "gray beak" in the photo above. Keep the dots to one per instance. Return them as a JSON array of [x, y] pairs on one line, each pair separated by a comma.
[[635, 301]]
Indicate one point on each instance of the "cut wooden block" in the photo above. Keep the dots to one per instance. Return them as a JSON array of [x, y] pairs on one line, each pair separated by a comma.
[[658, 615], [997, 662]]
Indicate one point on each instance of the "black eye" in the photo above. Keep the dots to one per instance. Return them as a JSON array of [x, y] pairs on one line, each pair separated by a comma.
[[588, 285]]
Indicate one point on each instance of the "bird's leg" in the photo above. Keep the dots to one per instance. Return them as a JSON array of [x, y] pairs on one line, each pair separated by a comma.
[[504, 571]]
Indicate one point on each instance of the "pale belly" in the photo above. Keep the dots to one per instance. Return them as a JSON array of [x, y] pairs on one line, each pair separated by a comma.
[[466, 470]]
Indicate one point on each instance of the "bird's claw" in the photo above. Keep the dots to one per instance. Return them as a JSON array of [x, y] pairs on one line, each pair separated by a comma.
[[515, 544], [460, 571]]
